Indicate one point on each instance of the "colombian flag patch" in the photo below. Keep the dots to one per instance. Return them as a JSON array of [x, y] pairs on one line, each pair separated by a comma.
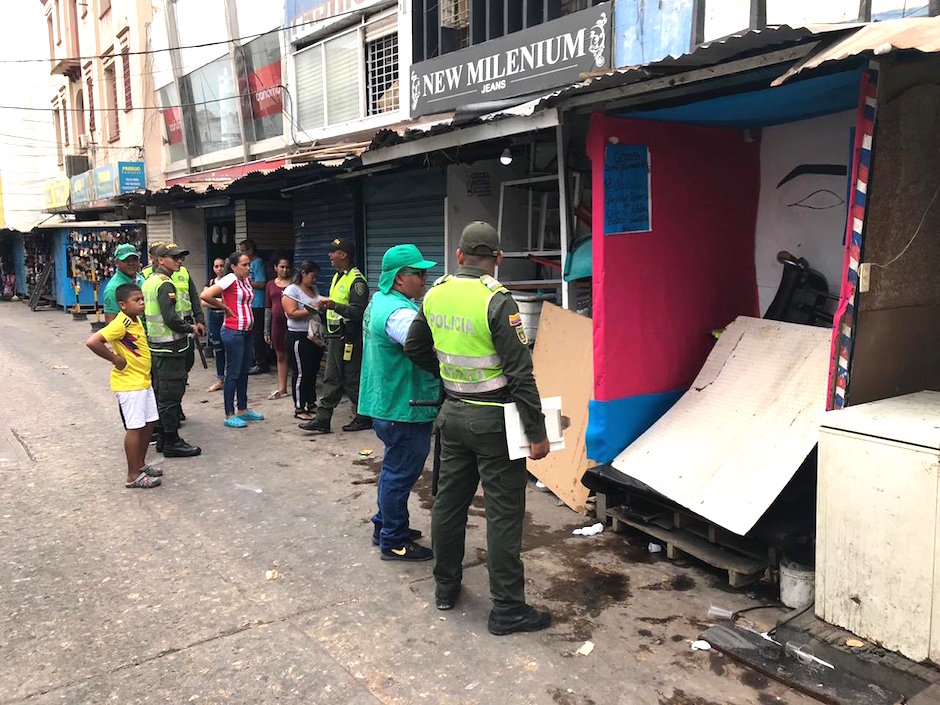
[[515, 319]]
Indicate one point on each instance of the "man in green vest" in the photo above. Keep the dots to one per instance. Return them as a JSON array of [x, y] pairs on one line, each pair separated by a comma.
[[349, 295], [470, 331], [389, 380], [169, 338], [126, 271]]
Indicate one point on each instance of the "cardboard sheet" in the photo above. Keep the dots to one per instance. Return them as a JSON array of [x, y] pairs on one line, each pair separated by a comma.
[[733, 441], [563, 361]]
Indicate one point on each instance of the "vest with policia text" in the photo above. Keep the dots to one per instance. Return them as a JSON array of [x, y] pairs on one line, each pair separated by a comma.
[[157, 330], [456, 310], [339, 292]]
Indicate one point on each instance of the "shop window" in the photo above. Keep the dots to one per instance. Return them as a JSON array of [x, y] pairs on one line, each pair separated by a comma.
[[111, 97], [334, 96], [126, 67], [308, 66], [210, 115], [172, 123], [263, 66], [455, 24], [383, 74]]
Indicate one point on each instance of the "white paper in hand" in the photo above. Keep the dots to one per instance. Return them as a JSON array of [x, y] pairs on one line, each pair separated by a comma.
[[518, 443]]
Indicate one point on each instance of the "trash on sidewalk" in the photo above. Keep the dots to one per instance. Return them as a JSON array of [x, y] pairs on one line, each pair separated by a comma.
[[854, 643], [271, 575], [589, 530], [701, 645], [654, 548], [719, 613], [365, 453], [586, 648]]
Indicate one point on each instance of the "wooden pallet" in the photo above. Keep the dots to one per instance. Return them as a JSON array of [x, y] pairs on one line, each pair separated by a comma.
[[742, 569]]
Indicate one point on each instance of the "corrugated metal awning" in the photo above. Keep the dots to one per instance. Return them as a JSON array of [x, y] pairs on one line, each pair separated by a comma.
[[878, 38]]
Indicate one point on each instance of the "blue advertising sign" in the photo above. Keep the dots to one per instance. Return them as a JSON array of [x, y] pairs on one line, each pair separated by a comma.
[[131, 176], [627, 204], [105, 181], [81, 187]]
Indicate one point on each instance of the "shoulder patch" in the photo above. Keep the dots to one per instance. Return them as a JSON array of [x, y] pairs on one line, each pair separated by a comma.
[[360, 287], [515, 319], [520, 331], [492, 283]]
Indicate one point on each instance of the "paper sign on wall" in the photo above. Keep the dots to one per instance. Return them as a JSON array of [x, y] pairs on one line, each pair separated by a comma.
[[628, 205]]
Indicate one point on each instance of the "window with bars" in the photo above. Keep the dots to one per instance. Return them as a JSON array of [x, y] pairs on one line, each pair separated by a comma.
[[455, 22], [126, 67], [111, 98], [382, 74]]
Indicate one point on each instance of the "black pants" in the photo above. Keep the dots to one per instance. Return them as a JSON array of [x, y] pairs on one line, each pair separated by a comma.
[[257, 335], [304, 357]]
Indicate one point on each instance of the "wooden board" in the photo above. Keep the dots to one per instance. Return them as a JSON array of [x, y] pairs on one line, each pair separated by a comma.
[[564, 366], [731, 444]]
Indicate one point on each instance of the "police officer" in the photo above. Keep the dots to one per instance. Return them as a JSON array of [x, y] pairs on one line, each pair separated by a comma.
[[349, 296], [470, 331], [148, 270], [169, 338]]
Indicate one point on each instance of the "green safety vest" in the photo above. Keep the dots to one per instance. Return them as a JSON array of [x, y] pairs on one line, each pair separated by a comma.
[[157, 329], [339, 292], [456, 311], [390, 380], [180, 279], [146, 271]]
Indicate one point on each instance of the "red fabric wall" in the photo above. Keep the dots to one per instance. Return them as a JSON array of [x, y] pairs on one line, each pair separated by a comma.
[[657, 295]]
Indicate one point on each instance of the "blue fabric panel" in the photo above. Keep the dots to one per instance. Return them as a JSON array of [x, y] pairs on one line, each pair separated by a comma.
[[769, 106], [613, 425]]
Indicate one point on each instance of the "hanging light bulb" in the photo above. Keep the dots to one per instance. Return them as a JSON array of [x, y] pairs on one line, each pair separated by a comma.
[[506, 157]]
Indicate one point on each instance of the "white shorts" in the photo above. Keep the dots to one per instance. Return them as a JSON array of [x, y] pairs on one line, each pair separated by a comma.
[[138, 408]]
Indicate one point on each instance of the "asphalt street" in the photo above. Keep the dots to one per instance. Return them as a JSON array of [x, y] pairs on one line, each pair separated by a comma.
[[110, 595]]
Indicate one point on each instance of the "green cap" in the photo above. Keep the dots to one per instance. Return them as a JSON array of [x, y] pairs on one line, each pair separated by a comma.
[[122, 252], [479, 238], [396, 258]]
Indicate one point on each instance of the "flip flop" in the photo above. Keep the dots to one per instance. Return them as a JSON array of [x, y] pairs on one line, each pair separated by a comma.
[[216, 386], [143, 482], [303, 415], [277, 394]]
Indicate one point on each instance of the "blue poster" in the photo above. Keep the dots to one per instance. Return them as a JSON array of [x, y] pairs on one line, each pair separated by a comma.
[[131, 177], [627, 204]]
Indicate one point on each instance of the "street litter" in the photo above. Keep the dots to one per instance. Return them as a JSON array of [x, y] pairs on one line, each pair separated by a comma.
[[589, 530], [654, 548], [365, 453], [701, 645], [854, 643], [719, 613], [539, 485], [60, 367], [271, 575], [586, 648]]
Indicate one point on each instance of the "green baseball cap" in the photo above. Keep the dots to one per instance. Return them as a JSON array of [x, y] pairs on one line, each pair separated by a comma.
[[397, 258], [479, 238], [122, 252]]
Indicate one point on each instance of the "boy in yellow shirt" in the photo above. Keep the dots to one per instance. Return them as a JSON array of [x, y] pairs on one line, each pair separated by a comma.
[[130, 381]]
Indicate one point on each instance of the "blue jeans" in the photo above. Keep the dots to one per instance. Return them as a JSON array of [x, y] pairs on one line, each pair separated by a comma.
[[215, 321], [238, 351], [406, 450]]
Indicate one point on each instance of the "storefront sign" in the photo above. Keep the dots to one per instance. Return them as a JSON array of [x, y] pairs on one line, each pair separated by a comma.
[[131, 176], [540, 58], [105, 178], [173, 120], [627, 204], [265, 88], [56, 194], [308, 16], [82, 188]]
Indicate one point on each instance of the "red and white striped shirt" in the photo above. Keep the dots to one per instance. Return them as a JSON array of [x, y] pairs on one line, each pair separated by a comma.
[[237, 295]]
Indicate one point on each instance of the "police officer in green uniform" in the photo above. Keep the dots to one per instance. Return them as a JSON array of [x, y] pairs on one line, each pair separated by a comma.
[[469, 330], [169, 338], [154, 246], [349, 296]]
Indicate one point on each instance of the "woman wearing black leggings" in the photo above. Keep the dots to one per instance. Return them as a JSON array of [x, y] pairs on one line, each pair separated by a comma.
[[300, 300]]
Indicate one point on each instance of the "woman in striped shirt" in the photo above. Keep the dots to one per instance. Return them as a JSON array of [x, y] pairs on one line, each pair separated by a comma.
[[233, 294]]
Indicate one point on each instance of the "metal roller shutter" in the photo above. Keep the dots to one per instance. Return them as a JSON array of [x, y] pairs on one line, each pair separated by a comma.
[[320, 215], [159, 228], [419, 223]]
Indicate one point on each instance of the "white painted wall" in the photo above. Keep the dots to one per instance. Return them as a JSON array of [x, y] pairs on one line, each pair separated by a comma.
[[806, 215]]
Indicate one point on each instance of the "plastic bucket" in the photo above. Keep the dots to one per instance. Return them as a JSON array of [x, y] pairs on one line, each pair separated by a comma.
[[530, 308], [797, 585]]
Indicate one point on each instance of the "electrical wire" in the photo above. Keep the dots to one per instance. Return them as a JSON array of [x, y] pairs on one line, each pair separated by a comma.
[[913, 237]]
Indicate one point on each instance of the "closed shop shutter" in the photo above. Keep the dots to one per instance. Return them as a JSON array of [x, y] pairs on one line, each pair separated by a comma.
[[418, 223], [320, 215], [159, 228]]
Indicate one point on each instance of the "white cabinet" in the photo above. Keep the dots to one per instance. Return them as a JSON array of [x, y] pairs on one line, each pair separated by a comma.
[[877, 520]]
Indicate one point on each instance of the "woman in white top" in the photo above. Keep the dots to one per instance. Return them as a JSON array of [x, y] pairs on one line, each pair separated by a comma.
[[300, 301]]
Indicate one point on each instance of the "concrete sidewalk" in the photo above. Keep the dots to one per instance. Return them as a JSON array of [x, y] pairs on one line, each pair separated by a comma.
[[160, 596]]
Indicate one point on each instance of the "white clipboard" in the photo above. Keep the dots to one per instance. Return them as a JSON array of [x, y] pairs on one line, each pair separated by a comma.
[[518, 443]]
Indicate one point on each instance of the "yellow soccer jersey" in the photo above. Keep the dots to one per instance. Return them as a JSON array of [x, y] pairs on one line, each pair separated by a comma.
[[128, 339]]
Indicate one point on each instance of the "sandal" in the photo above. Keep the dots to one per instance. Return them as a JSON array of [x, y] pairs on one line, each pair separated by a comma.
[[277, 394], [152, 471], [303, 415], [143, 482], [216, 386]]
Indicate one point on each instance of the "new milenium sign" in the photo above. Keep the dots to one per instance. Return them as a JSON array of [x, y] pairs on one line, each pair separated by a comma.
[[537, 59]]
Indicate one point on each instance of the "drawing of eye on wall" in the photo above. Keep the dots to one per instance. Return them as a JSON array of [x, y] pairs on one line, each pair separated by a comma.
[[821, 197], [802, 208]]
